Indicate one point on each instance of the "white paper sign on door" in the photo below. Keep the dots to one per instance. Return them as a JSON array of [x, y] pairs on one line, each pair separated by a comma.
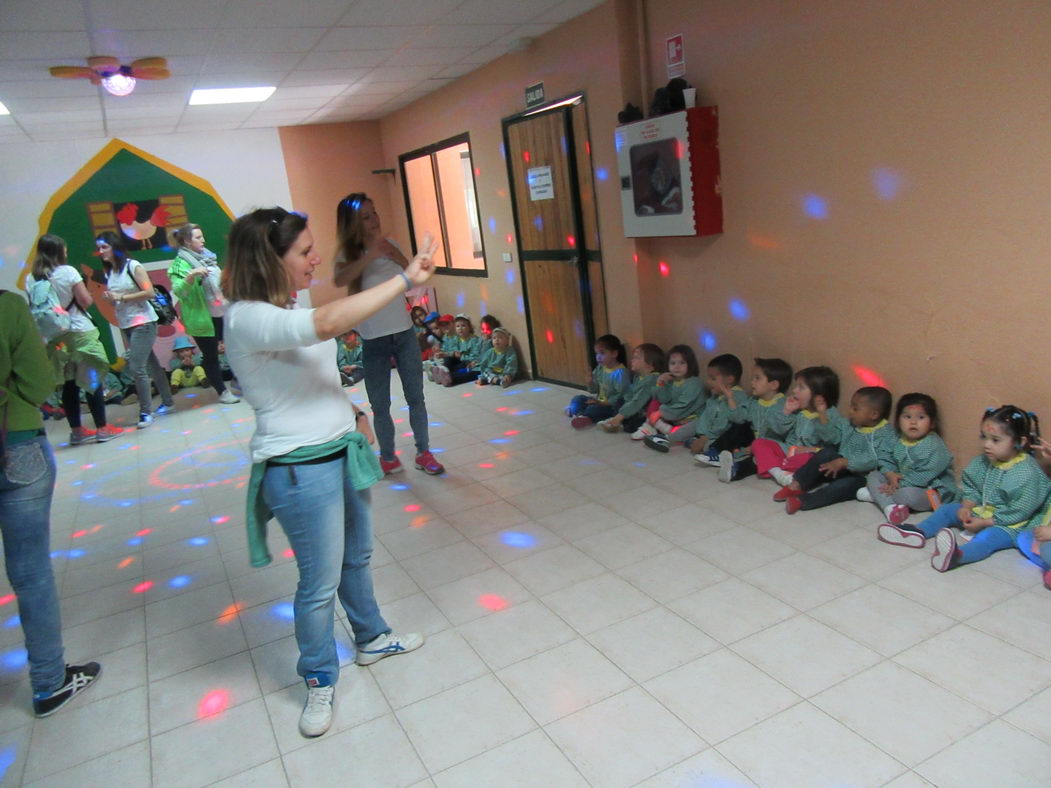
[[541, 186]]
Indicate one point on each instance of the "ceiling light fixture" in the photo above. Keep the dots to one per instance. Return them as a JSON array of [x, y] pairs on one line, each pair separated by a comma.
[[119, 84], [4, 110], [230, 95]]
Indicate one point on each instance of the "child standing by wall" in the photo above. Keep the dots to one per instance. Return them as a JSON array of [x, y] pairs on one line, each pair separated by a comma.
[[681, 398], [863, 442], [780, 460], [764, 411], [499, 364], [349, 358], [607, 385], [1003, 489], [459, 354], [919, 476], [186, 365], [647, 364], [715, 430]]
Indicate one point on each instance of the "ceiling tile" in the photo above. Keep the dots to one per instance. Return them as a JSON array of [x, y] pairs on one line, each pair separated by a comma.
[[27, 70], [66, 103], [155, 14], [458, 70], [137, 102], [414, 56], [381, 88], [336, 76], [308, 102], [130, 44], [181, 85], [524, 31], [307, 91], [44, 44], [464, 35], [292, 39], [17, 15], [566, 10], [250, 61], [498, 11], [208, 127], [383, 12], [38, 118], [239, 79], [49, 88], [205, 112], [258, 13], [364, 58], [356, 100], [392, 37], [399, 73]]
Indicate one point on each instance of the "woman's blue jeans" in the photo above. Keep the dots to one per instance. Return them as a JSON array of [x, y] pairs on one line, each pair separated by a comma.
[[376, 354], [329, 527], [27, 482]]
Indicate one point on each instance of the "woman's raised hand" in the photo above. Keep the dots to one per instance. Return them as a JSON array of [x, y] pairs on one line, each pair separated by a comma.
[[422, 266]]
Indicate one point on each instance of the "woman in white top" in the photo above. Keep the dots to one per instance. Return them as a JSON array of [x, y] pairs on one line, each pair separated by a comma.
[[129, 289], [367, 258], [311, 468], [78, 357]]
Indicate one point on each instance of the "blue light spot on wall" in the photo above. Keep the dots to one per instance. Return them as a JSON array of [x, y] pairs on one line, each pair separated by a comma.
[[739, 309], [578, 329], [509, 276], [602, 174], [708, 341], [483, 308], [503, 151], [13, 622], [180, 581], [461, 299], [815, 206], [521, 305], [492, 224], [538, 222], [618, 139], [886, 182], [517, 539], [283, 610]]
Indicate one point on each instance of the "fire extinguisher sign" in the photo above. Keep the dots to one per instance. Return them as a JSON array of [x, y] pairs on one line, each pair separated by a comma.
[[675, 56]]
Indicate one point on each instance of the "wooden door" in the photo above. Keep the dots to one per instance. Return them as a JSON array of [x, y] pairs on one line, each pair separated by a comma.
[[543, 167]]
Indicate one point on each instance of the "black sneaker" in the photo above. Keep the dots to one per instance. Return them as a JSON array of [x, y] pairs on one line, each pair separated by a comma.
[[78, 679]]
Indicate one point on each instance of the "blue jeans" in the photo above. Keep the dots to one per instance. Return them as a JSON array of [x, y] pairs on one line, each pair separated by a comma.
[[27, 482], [143, 365], [987, 541], [329, 527], [598, 411], [404, 348]]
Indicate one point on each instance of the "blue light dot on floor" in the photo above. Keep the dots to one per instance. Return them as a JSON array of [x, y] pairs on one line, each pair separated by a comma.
[[399, 486], [283, 610], [639, 464], [190, 396], [8, 756], [437, 451], [75, 553], [197, 541], [135, 540], [500, 440], [342, 652], [13, 622], [517, 539], [180, 581], [186, 502], [540, 388], [13, 660], [524, 413], [57, 553]]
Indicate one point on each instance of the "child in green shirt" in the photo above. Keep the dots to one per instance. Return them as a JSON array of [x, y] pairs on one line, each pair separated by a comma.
[[607, 385], [349, 358], [647, 364], [186, 365], [763, 412], [681, 396], [716, 431], [499, 364]]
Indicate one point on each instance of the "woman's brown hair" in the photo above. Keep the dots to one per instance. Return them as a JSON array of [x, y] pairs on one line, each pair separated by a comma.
[[351, 231], [50, 254], [181, 235], [258, 241]]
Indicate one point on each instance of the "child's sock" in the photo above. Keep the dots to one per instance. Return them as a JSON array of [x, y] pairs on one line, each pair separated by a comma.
[[781, 476]]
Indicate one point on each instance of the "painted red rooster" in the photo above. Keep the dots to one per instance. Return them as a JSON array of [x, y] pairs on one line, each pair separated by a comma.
[[142, 229]]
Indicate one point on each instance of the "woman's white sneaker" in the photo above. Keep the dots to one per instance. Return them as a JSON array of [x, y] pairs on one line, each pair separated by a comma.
[[387, 646], [317, 711]]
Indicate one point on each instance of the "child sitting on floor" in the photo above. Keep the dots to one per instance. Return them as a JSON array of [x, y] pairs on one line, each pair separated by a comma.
[[763, 411], [919, 476], [862, 442], [499, 364], [349, 358], [647, 364], [681, 397], [459, 356], [607, 385], [716, 431], [186, 365]]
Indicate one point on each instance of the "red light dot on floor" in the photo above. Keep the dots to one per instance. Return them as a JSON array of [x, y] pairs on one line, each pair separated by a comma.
[[144, 532], [213, 703], [95, 529], [230, 613], [501, 410], [143, 587], [125, 562], [550, 336], [418, 521], [78, 534], [665, 269], [406, 435], [469, 394], [289, 553], [221, 520], [412, 507], [511, 432], [7, 599], [486, 465], [492, 601], [399, 421]]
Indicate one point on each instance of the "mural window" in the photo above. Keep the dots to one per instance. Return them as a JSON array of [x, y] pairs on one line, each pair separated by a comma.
[[440, 198]]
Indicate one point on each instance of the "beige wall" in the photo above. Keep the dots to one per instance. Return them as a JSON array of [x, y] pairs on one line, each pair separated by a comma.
[[326, 162], [922, 125]]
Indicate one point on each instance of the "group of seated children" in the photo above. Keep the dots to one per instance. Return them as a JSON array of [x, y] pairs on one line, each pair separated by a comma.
[[458, 355], [788, 428]]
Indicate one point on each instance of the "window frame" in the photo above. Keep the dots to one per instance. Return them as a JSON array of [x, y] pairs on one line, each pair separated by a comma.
[[432, 151]]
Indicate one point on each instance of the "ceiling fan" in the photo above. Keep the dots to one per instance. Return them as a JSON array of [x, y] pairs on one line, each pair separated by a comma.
[[108, 71]]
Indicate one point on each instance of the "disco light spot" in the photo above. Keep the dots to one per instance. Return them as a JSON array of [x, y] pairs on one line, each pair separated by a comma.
[[180, 581], [142, 587], [283, 610], [518, 539], [220, 519], [197, 541], [215, 702], [869, 377], [815, 206], [739, 310], [664, 268]]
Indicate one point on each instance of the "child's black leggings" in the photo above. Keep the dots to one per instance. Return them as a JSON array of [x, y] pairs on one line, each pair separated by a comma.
[[842, 488]]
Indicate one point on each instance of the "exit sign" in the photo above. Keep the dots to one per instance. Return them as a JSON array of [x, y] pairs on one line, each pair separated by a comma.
[[534, 95]]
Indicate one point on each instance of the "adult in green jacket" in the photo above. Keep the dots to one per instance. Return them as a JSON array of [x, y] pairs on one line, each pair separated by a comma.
[[27, 484], [194, 274]]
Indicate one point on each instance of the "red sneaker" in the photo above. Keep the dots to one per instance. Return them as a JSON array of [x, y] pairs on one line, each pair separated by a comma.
[[425, 462], [107, 433], [793, 504], [785, 493], [391, 466], [80, 435]]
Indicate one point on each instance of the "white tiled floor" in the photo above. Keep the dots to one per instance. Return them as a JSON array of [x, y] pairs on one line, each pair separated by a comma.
[[597, 613]]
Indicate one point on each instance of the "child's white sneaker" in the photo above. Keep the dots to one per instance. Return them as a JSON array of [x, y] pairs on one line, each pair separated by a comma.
[[609, 426], [642, 432], [781, 476], [863, 495]]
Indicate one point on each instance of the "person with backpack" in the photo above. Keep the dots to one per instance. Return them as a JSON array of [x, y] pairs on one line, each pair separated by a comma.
[[59, 303], [27, 485], [129, 289]]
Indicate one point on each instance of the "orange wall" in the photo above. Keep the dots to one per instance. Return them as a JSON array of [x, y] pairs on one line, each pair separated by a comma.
[[325, 163]]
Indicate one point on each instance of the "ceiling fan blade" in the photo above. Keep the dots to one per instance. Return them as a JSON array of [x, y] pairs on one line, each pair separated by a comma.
[[150, 73], [71, 72], [104, 64], [149, 62]]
